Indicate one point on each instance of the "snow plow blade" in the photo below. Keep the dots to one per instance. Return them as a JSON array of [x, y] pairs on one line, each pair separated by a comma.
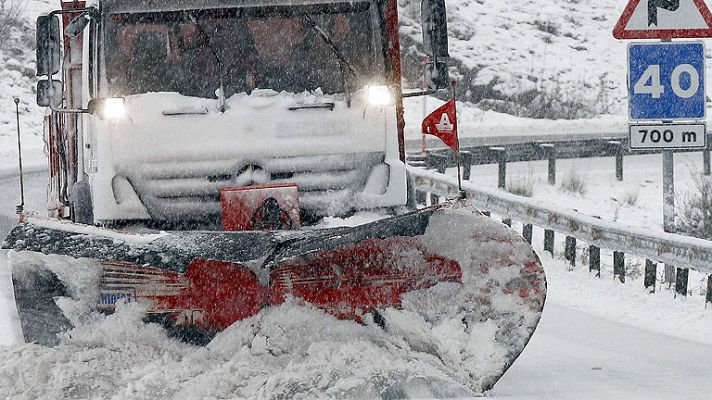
[[446, 281]]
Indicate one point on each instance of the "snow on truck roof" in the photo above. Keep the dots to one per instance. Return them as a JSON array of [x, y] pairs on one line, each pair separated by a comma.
[[116, 6]]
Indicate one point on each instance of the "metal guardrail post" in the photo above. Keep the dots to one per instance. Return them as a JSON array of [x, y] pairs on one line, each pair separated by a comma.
[[466, 165], [618, 150], [434, 199], [501, 155], [570, 250], [550, 153], [651, 269], [549, 241], [442, 163], [594, 260], [619, 265], [420, 197], [681, 278], [527, 231], [428, 160], [706, 158], [438, 162]]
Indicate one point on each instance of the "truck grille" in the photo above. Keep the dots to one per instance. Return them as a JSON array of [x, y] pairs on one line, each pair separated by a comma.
[[191, 189]]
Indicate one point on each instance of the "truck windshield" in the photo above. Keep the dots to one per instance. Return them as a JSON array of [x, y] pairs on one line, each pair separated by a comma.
[[258, 48]]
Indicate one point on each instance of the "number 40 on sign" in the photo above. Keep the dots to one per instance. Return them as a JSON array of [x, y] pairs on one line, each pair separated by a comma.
[[666, 81]]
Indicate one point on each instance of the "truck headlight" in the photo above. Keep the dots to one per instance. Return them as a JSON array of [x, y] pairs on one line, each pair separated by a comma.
[[112, 108], [379, 96]]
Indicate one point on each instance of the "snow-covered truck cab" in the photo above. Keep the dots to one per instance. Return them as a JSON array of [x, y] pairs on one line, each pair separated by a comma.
[[163, 104], [166, 102]]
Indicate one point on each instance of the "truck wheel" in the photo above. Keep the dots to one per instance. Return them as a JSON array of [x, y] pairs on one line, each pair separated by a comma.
[[81, 210]]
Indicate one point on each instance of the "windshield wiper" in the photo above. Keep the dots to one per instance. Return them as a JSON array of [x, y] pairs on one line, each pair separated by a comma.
[[343, 62], [221, 69]]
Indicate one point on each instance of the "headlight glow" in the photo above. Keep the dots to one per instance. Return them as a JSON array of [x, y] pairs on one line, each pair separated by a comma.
[[113, 108], [379, 95]]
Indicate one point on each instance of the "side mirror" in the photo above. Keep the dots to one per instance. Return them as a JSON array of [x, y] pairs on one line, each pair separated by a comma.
[[435, 42], [77, 25], [49, 93], [434, 21], [48, 46]]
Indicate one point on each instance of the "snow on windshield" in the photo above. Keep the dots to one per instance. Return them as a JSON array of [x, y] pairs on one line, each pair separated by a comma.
[[267, 49]]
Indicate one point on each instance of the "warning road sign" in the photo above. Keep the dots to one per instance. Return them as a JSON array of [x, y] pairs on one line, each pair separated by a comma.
[[664, 19]]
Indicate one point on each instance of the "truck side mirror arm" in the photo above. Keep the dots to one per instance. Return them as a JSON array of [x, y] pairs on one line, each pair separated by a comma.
[[78, 23]]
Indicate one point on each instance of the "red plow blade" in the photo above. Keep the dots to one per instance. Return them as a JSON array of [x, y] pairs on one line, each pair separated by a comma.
[[440, 279]]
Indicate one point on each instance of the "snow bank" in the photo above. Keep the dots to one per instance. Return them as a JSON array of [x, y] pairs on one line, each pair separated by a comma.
[[293, 351]]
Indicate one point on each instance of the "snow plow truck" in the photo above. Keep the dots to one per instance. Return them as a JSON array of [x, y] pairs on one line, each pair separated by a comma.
[[195, 148]]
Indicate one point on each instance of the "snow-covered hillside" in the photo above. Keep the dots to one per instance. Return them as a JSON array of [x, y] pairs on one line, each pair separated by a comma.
[[17, 80], [510, 54]]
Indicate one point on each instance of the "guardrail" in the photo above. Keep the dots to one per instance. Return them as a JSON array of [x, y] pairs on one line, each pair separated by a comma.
[[681, 251], [535, 149]]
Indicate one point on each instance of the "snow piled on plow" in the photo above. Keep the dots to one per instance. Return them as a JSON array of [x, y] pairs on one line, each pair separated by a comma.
[[448, 341], [292, 351]]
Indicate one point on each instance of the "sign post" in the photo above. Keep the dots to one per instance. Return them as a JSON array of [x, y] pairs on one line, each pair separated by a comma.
[[666, 93]]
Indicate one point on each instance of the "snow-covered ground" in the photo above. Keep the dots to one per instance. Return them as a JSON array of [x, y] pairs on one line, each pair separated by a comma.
[[597, 339], [636, 201]]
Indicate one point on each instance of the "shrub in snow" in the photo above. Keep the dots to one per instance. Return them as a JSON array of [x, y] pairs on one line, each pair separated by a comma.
[[522, 185], [694, 215], [573, 182], [547, 26], [10, 18], [631, 196]]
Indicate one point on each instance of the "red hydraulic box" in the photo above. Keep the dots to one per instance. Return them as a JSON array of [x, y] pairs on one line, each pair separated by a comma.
[[271, 207]]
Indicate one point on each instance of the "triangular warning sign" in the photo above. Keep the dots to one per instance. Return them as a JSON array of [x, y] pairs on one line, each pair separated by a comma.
[[664, 19]]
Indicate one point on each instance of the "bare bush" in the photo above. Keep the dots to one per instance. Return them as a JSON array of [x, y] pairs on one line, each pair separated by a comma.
[[633, 269], [694, 216], [631, 196], [547, 27], [10, 18], [573, 182], [522, 185], [548, 101]]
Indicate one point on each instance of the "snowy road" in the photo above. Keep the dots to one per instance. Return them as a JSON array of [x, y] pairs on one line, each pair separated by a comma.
[[589, 344], [574, 355]]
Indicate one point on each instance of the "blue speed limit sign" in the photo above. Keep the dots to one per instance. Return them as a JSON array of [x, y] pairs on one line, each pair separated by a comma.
[[666, 81]]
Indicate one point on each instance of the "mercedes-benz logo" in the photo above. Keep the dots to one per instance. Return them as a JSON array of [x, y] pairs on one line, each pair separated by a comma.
[[251, 174]]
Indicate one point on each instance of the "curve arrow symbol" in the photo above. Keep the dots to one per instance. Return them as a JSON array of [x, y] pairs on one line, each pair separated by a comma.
[[653, 5]]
